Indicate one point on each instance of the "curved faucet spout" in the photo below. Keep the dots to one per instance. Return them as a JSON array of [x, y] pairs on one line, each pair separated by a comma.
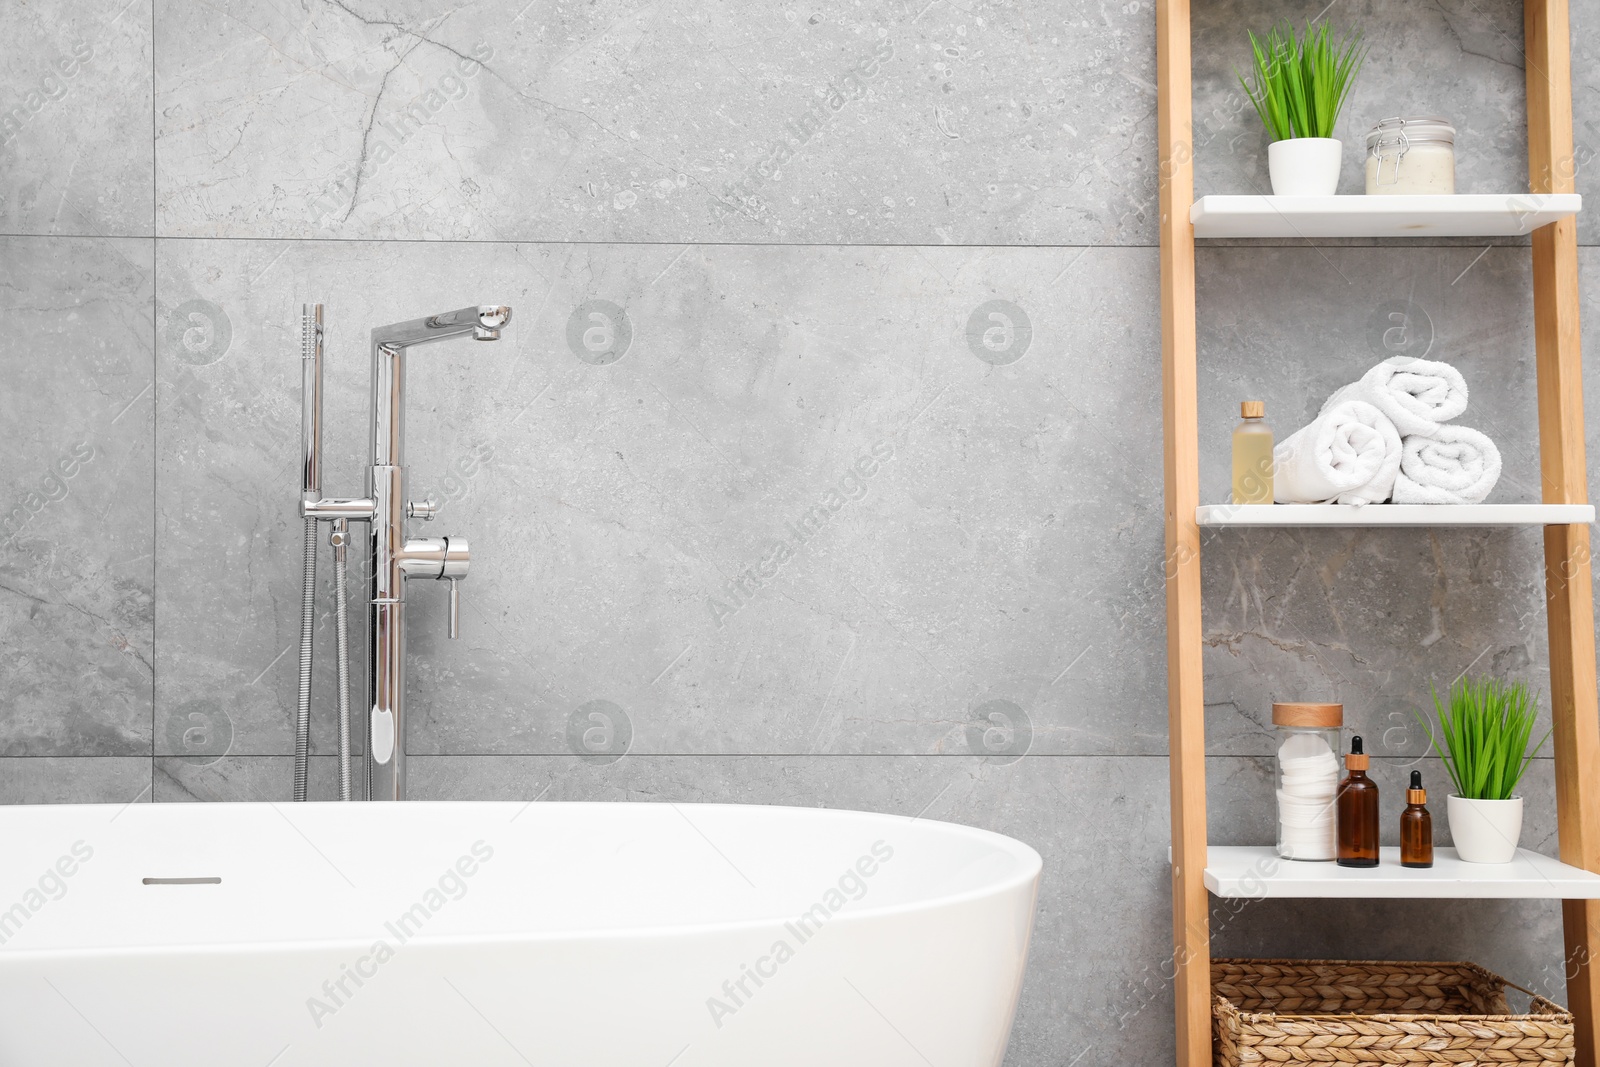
[[483, 322]]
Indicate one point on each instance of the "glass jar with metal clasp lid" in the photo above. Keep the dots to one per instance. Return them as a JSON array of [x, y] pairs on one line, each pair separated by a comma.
[[1411, 155]]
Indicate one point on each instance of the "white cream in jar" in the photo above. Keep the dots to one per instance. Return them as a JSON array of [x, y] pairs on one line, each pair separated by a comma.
[[1410, 156]]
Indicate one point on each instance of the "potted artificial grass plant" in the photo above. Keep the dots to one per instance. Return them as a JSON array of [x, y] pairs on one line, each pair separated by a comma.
[[1484, 728], [1298, 87]]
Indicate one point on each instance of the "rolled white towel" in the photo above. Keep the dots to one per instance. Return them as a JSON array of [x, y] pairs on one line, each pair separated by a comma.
[[1452, 465], [1416, 394], [1349, 454]]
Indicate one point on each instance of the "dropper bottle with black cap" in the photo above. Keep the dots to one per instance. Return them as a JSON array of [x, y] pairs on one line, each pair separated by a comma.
[[1416, 827], [1356, 804]]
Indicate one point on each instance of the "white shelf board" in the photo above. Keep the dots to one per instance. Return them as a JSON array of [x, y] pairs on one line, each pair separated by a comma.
[[1393, 514], [1358, 215], [1256, 871]]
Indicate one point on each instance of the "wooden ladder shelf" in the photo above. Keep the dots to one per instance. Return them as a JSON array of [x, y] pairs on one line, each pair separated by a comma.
[[1574, 705]]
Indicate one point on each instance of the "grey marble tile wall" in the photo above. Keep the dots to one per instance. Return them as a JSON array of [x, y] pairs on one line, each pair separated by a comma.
[[77, 130], [77, 533], [615, 507], [889, 121], [957, 447]]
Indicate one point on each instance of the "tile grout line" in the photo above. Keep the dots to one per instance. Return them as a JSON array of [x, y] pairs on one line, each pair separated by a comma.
[[715, 755], [1209, 245]]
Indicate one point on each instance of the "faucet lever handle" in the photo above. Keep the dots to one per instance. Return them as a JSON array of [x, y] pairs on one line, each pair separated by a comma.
[[455, 608], [423, 509]]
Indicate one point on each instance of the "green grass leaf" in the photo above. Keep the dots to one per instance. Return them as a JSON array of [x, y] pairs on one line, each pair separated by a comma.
[[1298, 85], [1484, 727]]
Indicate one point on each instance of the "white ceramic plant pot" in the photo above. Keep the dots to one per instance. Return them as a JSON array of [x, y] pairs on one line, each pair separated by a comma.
[[1305, 166], [1485, 831]]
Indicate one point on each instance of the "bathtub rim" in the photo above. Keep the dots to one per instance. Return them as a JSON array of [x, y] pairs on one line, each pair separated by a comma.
[[1031, 871]]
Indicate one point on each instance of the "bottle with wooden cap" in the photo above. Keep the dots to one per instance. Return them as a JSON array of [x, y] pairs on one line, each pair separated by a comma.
[[1416, 827], [1252, 455], [1357, 806], [1308, 778]]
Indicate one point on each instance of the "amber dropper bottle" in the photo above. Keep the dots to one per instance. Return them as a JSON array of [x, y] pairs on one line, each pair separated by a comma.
[[1416, 827], [1357, 807]]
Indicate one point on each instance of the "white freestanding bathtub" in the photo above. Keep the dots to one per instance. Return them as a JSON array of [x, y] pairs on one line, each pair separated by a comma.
[[485, 934]]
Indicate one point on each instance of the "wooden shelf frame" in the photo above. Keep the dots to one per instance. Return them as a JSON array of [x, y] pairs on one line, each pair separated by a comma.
[[1575, 706]]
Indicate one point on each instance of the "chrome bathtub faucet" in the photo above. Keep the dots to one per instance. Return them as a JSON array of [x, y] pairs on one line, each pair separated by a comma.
[[395, 557]]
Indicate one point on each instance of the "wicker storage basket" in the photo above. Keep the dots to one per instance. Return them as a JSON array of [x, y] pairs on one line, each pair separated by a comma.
[[1286, 1012]]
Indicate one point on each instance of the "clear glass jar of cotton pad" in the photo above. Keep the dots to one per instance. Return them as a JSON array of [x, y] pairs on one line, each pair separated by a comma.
[[1308, 779]]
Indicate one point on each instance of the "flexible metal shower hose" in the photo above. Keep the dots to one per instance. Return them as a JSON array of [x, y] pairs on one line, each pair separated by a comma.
[[308, 622]]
